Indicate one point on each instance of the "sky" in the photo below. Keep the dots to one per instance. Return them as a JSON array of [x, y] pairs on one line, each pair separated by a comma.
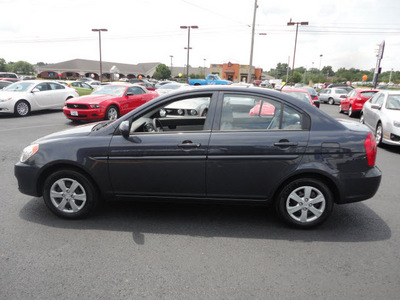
[[345, 33]]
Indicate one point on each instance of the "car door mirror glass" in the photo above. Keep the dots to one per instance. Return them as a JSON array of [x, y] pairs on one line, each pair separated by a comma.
[[375, 106], [124, 128]]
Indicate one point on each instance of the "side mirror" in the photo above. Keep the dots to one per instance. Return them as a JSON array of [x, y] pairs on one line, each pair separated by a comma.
[[35, 90], [129, 94], [124, 129], [375, 106]]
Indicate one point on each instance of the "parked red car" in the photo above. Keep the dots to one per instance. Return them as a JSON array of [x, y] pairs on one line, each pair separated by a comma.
[[353, 102], [300, 94], [107, 102]]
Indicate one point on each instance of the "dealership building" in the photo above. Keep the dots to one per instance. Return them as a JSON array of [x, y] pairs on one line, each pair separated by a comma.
[[77, 68]]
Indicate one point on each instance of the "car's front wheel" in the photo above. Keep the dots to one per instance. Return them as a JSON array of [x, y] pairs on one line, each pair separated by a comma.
[[305, 202], [112, 113], [379, 134], [22, 108], [69, 194], [331, 101]]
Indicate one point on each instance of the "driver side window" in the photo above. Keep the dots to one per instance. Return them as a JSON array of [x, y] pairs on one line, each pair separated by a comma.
[[188, 114]]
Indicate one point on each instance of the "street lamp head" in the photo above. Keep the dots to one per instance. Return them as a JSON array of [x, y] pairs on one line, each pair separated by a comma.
[[303, 23], [290, 24], [102, 29], [193, 27]]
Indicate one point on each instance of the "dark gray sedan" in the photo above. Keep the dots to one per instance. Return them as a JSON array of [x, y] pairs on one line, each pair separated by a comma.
[[253, 146]]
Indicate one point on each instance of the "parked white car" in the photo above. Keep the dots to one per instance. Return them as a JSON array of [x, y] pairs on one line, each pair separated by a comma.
[[331, 95], [381, 113], [22, 97]]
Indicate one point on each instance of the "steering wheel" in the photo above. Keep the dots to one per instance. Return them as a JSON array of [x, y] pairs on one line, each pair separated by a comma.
[[156, 122]]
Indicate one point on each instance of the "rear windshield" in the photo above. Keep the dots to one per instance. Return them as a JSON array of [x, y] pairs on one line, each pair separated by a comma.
[[367, 94]]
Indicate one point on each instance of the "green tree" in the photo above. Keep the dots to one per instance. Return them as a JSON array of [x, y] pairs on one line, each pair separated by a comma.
[[297, 77], [2, 65], [22, 67], [162, 72]]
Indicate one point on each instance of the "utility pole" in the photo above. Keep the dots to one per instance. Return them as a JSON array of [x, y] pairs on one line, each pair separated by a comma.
[[252, 43]]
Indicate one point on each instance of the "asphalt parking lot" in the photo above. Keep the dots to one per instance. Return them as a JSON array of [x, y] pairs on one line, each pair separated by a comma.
[[184, 251]]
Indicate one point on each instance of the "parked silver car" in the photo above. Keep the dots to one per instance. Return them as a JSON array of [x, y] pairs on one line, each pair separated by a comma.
[[22, 97], [331, 95], [381, 114]]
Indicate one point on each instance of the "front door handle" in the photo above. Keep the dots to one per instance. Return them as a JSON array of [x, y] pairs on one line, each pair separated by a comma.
[[285, 144], [189, 145]]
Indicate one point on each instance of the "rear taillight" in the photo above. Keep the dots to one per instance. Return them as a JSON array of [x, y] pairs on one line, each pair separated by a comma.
[[370, 148]]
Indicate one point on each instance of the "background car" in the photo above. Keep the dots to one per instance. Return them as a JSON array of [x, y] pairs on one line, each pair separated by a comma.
[[353, 102], [197, 107], [381, 113], [23, 97], [107, 102], [314, 95], [149, 86], [8, 76], [301, 94], [81, 87], [288, 159], [170, 87], [4, 83], [331, 95]]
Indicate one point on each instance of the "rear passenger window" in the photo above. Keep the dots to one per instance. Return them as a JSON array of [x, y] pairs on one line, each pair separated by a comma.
[[252, 113]]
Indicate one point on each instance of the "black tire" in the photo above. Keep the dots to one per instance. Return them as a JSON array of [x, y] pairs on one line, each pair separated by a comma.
[[305, 202], [22, 108], [379, 134], [112, 113], [331, 101], [352, 113], [340, 109], [69, 194], [362, 118]]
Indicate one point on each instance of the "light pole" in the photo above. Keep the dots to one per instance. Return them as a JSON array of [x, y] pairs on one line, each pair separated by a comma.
[[188, 47], [204, 67], [295, 41], [100, 30], [171, 64]]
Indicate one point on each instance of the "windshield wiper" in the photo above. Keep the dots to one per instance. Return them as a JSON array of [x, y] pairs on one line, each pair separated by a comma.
[[101, 125]]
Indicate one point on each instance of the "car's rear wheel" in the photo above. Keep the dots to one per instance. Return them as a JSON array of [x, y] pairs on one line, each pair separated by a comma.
[[331, 101], [22, 108], [379, 134], [305, 202], [352, 114], [69, 194], [340, 109], [112, 113]]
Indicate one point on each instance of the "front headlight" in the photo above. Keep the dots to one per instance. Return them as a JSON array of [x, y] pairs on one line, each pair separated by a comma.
[[95, 106], [193, 112], [396, 123], [28, 152]]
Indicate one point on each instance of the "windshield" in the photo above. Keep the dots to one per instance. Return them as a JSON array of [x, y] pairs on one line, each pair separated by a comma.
[[170, 86], [19, 87], [393, 102], [117, 91]]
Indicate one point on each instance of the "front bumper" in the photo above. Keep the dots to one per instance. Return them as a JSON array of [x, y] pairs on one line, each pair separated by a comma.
[[85, 114], [27, 177]]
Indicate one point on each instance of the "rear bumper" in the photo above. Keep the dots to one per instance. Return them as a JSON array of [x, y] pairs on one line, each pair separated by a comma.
[[358, 187]]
